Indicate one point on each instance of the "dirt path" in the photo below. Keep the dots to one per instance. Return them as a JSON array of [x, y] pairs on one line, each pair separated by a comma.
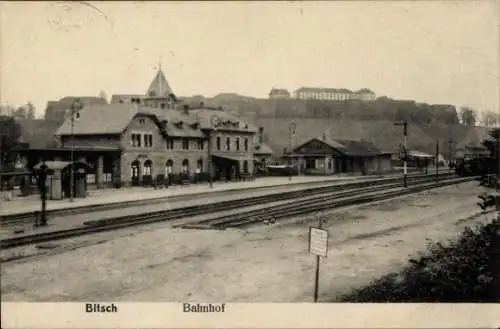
[[263, 264]]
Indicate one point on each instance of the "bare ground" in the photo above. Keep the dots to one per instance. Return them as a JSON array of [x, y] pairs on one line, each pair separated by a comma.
[[261, 264]]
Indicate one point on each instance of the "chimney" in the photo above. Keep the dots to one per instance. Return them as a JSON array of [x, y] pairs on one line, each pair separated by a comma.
[[186, 109], [135, 105], [261, 135], [325, 135]]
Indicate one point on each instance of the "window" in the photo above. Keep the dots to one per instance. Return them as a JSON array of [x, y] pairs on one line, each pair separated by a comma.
[[228, 143], [199, 166], [185, 166], [185, 144], [200, 144], [148, 140], [135, 140], [142, 121], [246, 144], [146, 170], [169, 166], [170, 144], [237, 144], [310, 163], [163, 105], [218, 143], [245, 167]]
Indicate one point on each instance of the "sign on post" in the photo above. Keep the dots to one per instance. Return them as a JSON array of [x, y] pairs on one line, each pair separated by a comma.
[[318, 241]]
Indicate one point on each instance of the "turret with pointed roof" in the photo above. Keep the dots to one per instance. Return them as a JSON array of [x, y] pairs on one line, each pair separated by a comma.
[[159, 93], [159, 87]]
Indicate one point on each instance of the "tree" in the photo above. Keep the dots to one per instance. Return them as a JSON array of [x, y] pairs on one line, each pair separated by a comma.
[[468, 116], [30, 111], [103, 95], [20, 112], [489, 118], [8, 140]]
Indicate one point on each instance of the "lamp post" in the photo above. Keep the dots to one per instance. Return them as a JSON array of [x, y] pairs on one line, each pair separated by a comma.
[[405, 150], [42, 176], [214, 123], [450, 165], [74, 112], [291, 134]]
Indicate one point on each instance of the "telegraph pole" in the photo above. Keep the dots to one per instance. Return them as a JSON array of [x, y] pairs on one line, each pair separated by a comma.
[[405, 150], [214, 122], [450, 162], [75, 108], [437, 161]]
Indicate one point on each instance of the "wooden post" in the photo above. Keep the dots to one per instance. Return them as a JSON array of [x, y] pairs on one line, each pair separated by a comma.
[[316, 279]]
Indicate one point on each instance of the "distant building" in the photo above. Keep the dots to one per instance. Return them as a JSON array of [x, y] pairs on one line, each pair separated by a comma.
[[364, 95], [279, 93], [57, 110], [333, 94]]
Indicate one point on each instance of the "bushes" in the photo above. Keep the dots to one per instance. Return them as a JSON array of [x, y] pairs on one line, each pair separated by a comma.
[[465, 271]]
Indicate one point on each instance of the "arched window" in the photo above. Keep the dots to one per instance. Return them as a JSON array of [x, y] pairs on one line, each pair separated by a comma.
[[245, 167], [199, 165], [245, 143], [218, 143], [185, 166], [169, 167], [134, 168], [148, 168]]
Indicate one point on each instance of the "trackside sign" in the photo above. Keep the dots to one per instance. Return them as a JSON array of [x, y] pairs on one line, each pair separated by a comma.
[[318, 241]]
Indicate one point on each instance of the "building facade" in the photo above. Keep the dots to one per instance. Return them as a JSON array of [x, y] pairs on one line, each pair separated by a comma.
[[333, 94], [333, 156], [277, 93], [151, 136]]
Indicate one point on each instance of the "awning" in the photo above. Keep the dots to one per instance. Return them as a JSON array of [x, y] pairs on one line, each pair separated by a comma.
[[58, 165], [234, 157], [418, 154]]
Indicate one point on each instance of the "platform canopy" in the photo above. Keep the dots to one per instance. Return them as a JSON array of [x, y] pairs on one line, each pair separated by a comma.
[[59, 165], [420, 155]]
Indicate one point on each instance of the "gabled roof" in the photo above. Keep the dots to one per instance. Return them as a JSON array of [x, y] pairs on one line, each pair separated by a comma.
[[115, 118], [325, 90], [159, 87], [263, 149], [279, 91], [100, 119], [204, 115], [348, 147]]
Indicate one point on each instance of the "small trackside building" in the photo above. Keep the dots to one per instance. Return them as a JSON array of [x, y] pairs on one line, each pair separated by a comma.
[[335, 156]]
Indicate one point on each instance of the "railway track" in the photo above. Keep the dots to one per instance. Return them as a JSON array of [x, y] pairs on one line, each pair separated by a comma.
[[29, 217], [337, 196]]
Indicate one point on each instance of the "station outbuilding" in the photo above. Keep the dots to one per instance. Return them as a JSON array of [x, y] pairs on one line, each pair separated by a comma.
[[323, 155]]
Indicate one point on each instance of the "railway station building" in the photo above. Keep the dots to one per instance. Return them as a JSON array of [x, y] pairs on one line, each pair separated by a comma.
[[324, 155], [133, 140]]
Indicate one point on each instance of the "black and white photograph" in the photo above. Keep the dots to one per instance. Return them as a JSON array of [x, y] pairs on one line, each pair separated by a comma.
[[208, 153]]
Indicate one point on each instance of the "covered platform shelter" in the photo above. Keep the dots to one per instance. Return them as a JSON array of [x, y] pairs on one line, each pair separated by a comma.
[[58, 182], [103, 161], [231, 167], [419, 160]]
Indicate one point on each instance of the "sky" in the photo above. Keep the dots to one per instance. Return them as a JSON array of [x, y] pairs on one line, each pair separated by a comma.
[[436, 52]]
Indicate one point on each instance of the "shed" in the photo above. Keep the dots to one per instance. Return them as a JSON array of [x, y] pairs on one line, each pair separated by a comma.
[[58, 182]]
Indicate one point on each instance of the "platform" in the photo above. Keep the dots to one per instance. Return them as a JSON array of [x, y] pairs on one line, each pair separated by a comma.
[[21, 205]]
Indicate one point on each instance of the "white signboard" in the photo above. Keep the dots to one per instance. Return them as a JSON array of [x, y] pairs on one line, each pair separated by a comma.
[[318, 241]]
